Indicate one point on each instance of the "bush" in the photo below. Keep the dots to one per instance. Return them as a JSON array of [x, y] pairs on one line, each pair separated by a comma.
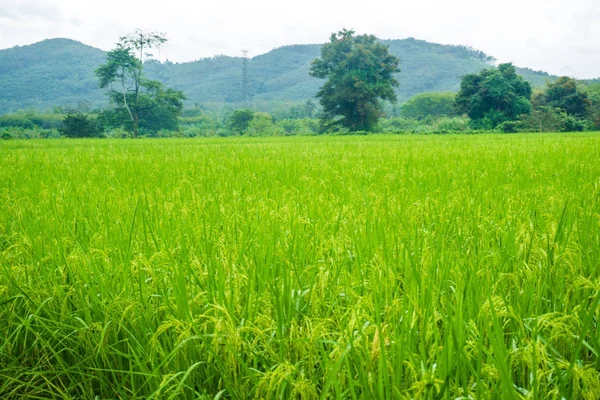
[[508, 127], [549, 119], [262, 125], [79, 125], [426, 125], [304, 126], [429, 104], [35, 133], [573, 124], [117, 133], [31, 120], [239, 121], [223, 133], [399, 125], [199, 125], [451, 124], [290, 126]]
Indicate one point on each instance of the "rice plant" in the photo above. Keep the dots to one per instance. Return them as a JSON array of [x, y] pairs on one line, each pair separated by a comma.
[[383, 267]]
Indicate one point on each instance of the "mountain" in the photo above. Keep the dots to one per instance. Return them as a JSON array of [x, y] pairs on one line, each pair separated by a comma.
[[51, 72], [61, 71]]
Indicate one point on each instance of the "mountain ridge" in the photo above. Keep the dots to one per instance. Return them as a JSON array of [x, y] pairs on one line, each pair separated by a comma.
[[60, 71]]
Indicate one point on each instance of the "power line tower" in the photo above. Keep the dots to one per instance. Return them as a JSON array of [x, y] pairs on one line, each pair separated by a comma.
[[245, 78]]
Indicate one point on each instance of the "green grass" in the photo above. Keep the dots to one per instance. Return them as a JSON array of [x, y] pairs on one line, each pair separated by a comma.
[[448, 267]]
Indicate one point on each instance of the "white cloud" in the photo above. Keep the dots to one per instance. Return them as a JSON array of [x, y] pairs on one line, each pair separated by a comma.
[[552, 35]]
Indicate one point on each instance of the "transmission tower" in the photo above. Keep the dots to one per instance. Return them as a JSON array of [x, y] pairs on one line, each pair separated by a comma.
[[245, 78]]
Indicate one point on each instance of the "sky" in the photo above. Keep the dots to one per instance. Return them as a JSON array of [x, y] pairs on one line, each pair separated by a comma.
[[557, 36]]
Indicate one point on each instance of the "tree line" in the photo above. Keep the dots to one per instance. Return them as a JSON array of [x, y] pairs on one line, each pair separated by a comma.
[[359, 72], [357, 96]]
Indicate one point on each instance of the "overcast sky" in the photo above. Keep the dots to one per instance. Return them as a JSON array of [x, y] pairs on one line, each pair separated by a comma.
[[558, 36]]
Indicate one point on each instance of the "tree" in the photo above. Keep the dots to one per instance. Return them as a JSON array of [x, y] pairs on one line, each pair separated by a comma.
[[566, 95], [309, 108], [359, 72], [239, 120], [79, 125], [593, 91], [262, 125], [494, 96], [551, 119], [138, 98], [429, 104]]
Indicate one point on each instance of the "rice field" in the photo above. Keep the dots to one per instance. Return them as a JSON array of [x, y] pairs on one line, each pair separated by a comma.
[[378, 267]]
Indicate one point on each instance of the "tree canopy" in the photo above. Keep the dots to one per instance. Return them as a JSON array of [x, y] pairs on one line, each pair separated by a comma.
[[359, 72], [564, 93], [494, 96], [79, 125], [239, 120], [593, 92]]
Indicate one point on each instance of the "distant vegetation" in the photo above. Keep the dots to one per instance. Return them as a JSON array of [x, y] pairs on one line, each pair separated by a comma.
[[144, 98], [425, 113], [60, 72]]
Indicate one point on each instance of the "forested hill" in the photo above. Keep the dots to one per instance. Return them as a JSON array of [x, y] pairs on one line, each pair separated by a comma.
[[61, 71], [52, 72]]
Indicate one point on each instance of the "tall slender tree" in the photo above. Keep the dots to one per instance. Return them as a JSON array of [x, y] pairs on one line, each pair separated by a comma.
[[134, 93]]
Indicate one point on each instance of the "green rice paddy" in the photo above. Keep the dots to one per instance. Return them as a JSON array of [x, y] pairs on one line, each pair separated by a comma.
[[378, 267]]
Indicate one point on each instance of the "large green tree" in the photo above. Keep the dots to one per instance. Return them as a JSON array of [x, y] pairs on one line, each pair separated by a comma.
[[565, 94], [359, 72], [494, 96], [139, 101]]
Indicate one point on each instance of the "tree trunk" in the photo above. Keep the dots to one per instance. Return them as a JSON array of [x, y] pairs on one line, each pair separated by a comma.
[[134, 120], [136, 124]]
